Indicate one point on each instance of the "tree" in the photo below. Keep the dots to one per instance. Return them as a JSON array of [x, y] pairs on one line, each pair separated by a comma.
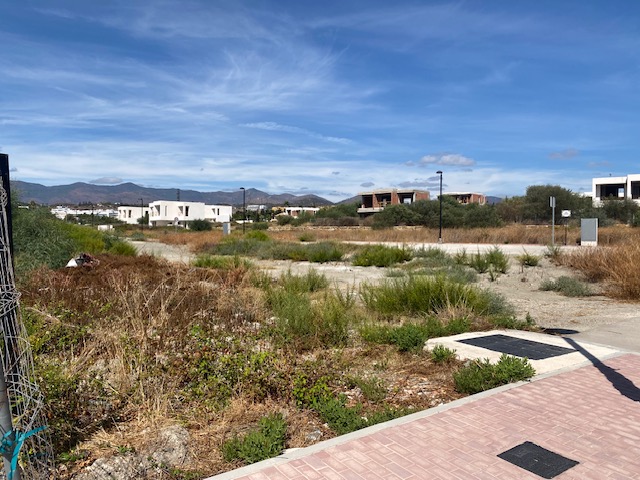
[[536, 206]]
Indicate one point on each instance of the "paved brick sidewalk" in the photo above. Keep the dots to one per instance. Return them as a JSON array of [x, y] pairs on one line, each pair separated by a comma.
[[591, 415]]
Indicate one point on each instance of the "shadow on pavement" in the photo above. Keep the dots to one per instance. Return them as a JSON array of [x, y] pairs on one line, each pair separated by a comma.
[[621, 383]]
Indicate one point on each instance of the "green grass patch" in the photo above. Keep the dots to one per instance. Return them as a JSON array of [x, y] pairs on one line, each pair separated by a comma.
[[221, 262]]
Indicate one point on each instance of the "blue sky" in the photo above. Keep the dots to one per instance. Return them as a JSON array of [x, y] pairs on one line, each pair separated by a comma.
[[332, 97]]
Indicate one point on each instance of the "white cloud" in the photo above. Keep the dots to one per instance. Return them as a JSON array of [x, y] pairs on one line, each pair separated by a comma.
[[106, 181], [450, 159]]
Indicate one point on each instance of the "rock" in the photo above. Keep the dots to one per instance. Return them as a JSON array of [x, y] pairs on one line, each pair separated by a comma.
[[171, 447], [314, 436]]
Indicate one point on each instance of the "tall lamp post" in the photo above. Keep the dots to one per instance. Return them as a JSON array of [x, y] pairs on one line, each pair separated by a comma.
[[439, 172], [141, 214], [244, 208]]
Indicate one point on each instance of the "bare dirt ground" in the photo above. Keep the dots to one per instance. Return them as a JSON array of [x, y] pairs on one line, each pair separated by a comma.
[[520, 286]]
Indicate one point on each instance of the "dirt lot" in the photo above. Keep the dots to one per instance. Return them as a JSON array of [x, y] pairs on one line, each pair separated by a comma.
[[519, 285]]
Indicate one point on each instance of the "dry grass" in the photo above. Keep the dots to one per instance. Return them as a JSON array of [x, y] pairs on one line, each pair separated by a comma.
[[616, 266], [125, 345], [512, 234]]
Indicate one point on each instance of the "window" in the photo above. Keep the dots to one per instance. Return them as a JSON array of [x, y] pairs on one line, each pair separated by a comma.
[[186, 211]]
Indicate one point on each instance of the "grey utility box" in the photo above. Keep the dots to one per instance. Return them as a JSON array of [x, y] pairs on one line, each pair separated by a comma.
[[589, 232]]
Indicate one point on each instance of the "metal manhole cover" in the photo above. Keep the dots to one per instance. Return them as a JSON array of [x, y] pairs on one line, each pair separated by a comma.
[[536, 459], [517, 346]]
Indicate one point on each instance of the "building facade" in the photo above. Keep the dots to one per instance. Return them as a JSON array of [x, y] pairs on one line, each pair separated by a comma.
[[620, 188], [164, 213], [377, 200], [131, 214], [464, 198]]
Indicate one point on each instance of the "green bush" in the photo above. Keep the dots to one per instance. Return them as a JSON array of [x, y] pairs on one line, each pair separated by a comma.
[[258, 235], [482, 375], [567, 286], [380, 256], [200, 225], [266, 442], [442, 354]]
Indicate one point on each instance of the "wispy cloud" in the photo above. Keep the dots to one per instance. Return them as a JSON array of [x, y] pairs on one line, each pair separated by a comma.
[[567, 154], [449, 159], [416, 184], [275, 127]]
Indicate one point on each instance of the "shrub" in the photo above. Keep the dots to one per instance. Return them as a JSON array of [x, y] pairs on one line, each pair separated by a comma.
[[260, 226], [307, 237], [200, 225], [442, 354], [567, 286], [482, 375], [479, 263], [528, 260], [380, 256], [258, 235], [266, 442], [498, 260]]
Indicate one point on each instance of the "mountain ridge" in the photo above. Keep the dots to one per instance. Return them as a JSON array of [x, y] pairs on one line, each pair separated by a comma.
[[131, 194]]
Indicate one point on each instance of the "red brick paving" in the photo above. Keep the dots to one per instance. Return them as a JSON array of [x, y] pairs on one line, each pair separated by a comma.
[[578, 414]]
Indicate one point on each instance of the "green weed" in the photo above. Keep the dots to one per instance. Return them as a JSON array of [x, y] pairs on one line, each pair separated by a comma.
[[266, 442]]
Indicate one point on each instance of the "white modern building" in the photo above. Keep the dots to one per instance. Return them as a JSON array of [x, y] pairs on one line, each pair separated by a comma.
[[62, 212], [296, 211], [616, 187], [131, 214], [163, 213]]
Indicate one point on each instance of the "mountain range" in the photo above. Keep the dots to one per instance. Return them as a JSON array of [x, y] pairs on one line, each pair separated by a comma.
[[132, 194]]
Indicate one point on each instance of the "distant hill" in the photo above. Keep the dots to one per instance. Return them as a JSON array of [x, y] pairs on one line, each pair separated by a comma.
[[130, 194]]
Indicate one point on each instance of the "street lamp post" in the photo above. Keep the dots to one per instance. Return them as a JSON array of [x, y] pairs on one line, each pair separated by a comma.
[[141, 214], [244, 208], [439, 172]]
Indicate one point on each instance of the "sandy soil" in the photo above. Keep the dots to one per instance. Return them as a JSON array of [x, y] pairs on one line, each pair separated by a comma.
[[520, 286]]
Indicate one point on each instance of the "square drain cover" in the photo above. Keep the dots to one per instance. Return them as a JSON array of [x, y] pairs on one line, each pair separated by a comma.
[[538, 460], [517, 346]]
